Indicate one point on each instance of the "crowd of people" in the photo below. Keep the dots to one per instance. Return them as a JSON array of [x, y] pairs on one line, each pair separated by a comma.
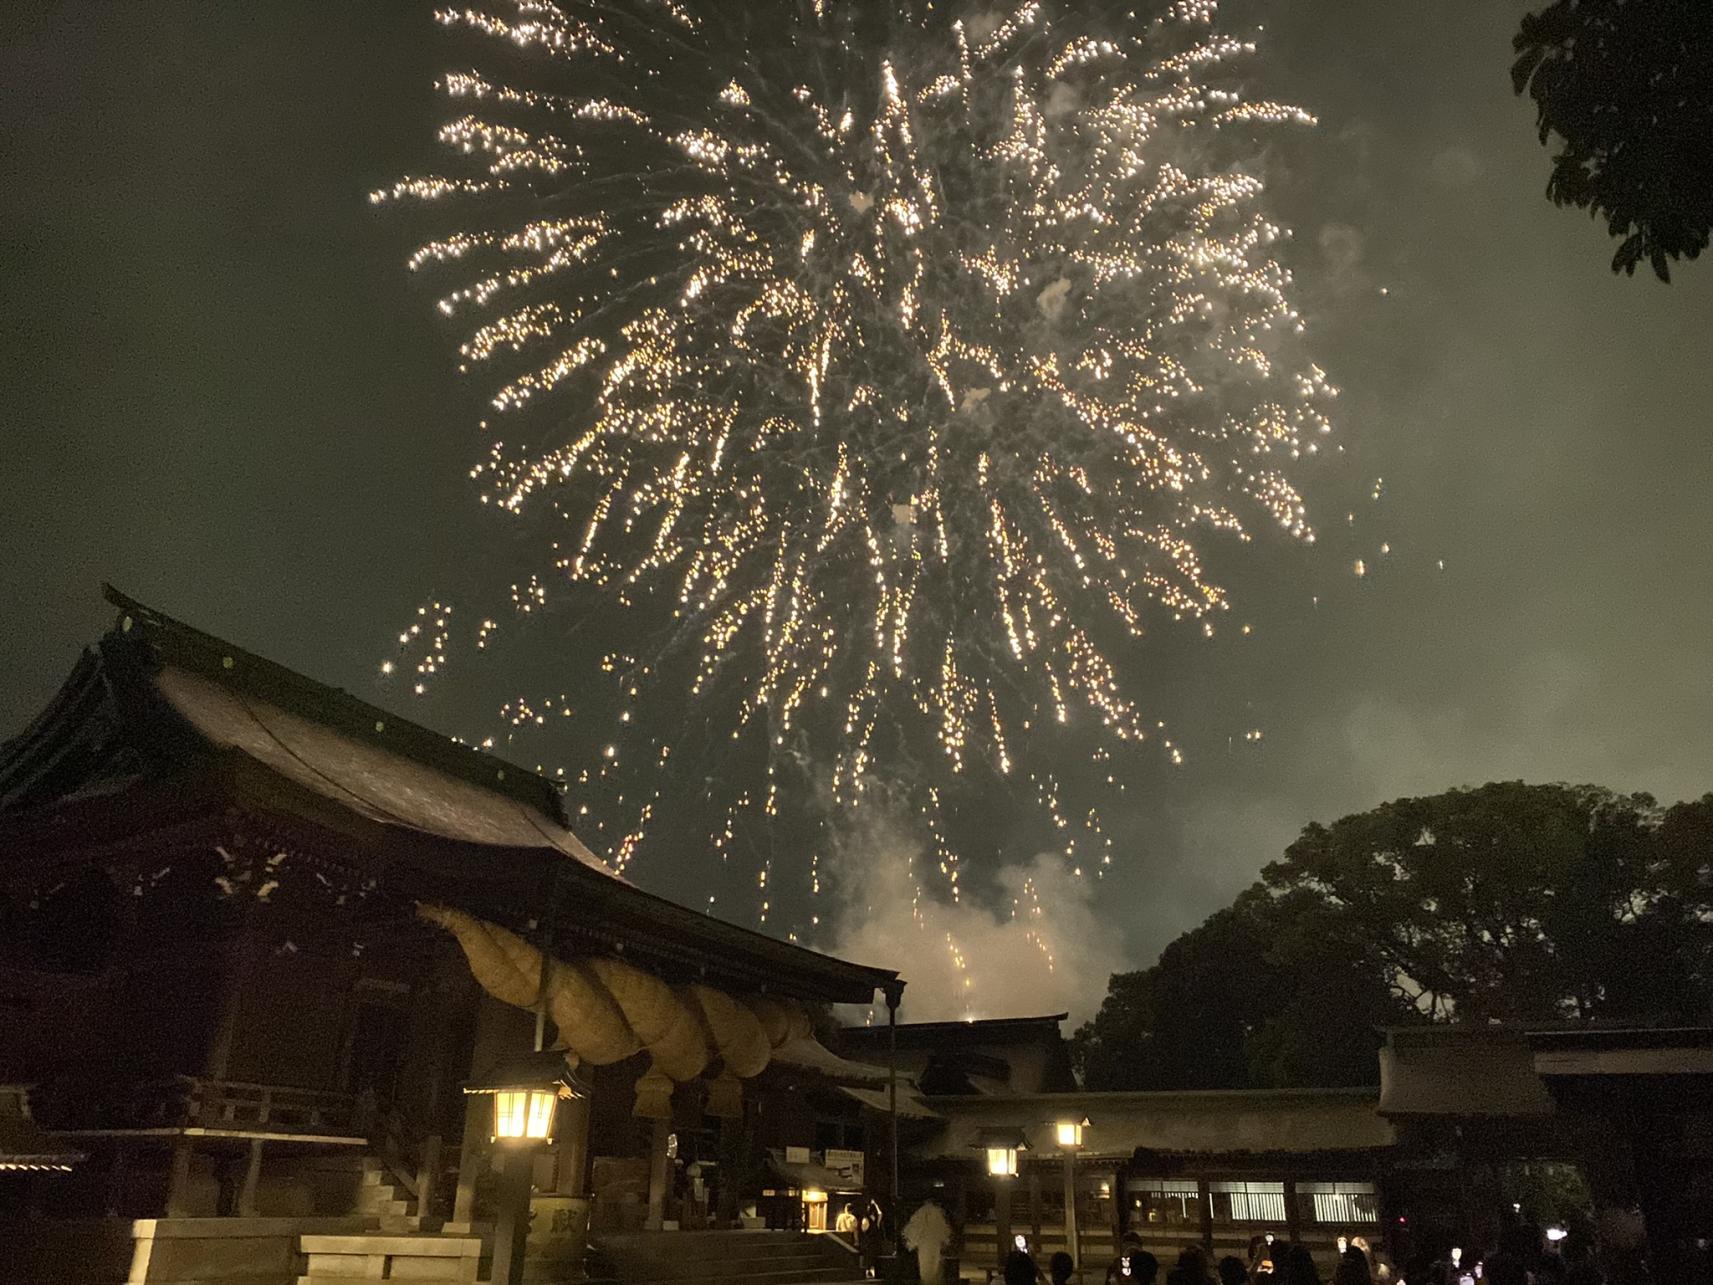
[[1270, 1262], [1274, 1261]]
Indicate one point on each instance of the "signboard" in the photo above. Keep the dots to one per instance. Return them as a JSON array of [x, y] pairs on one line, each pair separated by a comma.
[[848, 1166], [797, 1155], [558, 1234]]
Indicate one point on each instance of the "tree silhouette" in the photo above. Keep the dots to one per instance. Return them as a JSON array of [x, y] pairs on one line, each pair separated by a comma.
[[1510, 902], [1267, 992], [1626, 86], [1516, 902]]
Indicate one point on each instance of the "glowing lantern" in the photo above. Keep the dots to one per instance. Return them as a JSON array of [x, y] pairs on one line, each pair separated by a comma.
[[526, 1093], [1002, 1146], [1070, 1133]]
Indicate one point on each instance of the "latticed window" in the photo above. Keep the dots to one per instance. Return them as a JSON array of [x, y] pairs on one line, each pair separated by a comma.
[[1247, 1202], [1338, 1202], [1164, 1200]]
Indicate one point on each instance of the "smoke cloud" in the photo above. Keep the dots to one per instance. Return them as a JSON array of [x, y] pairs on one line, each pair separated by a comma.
[[1034, 945]]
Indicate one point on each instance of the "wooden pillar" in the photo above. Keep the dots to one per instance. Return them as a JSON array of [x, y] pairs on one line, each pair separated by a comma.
[[178, 1179], [428, 1176], [1120, 1205], [238, 960], [116, 1180], [1072, 1245], [1035, 1207], [1293, 1221], [570, 1178], [659, 1168], [252, 1180], [511, 1231], [1205, 1195], [731, 1134], [894, 994], [1002, 1217], [478, 1119]]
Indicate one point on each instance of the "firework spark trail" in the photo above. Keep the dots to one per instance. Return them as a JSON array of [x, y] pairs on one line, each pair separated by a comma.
[[891, 361]]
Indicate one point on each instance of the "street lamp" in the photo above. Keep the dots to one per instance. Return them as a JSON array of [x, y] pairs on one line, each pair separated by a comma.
[[1002, 1146], [526, 1090], [1070, 1136]]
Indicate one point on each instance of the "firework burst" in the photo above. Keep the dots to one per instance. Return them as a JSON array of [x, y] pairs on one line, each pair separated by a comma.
[[872, 375]]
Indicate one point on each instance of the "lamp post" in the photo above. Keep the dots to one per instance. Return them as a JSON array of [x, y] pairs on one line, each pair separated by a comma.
[[1070, 1137], [526, 1092], [1001, 1147]]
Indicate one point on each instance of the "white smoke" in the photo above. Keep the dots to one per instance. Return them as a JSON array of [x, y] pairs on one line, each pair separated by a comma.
[[1039, 947], [1055, 299]]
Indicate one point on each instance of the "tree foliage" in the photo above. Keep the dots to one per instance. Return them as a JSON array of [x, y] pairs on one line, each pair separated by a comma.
[[1627, 88], [1533, 903], [1522, 902], [1265, 992]]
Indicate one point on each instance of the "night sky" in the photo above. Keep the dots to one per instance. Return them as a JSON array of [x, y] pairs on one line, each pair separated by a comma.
[[221, 391]]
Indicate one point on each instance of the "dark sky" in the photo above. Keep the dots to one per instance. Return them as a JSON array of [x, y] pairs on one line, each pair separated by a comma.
[[220, 391]]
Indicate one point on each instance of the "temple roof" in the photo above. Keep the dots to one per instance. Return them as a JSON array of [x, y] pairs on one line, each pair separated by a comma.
[[370, 775], [961, 1032], [1206, 1123], [1001, 1056], [164, 731], [24, 1144]]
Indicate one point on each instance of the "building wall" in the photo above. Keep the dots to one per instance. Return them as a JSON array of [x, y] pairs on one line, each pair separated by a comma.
[[1197, 1217], [49, 1022], [294, 1011]]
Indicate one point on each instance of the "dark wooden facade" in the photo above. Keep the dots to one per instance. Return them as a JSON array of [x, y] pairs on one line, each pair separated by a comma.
[[213, 973]]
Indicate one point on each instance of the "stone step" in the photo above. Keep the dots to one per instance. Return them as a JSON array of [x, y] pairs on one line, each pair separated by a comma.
[[809, 1276], [332, 1260], [694, 1267], [724, 1258], [382, 1243], [712, 1235]]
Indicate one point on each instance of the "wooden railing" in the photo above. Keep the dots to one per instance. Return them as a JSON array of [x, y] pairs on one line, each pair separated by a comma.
[[184, 1101], [413, 1159]]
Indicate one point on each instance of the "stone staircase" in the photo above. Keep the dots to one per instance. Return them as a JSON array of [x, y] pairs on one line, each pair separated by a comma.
[[722, 1257], [403, 1244], [380, 1196], [361, 1186]]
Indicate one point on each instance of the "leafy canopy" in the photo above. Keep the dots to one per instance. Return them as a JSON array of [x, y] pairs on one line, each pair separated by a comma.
[[1627, 88], [1533, 903]]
